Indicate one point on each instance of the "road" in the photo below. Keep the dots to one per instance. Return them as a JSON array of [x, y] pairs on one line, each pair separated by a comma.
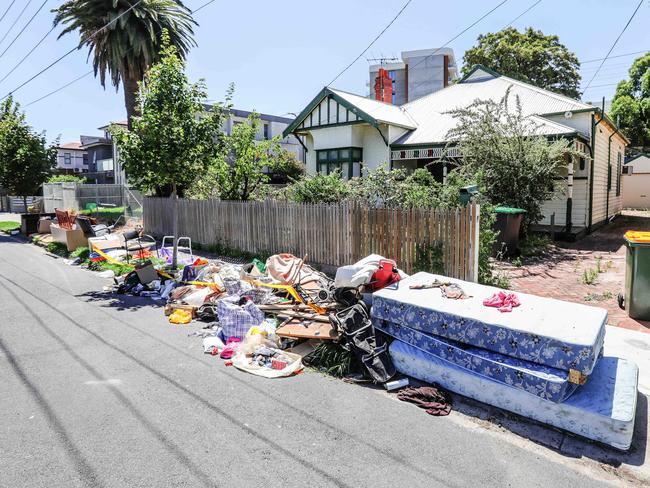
[[100, 391]]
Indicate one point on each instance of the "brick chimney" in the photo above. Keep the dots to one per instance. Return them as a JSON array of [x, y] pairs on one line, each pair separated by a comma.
[[383, 87]]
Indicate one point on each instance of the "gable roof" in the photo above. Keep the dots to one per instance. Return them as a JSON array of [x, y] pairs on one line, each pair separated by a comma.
[[367, 109], [633, 158], [484, 84], [428, 120]]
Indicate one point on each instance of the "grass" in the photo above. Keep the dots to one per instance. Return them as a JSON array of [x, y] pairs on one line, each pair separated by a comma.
[[9, 225], [599, 297], [232, 252], [111, 214], [58, 248], [589, 276], [330, 358]]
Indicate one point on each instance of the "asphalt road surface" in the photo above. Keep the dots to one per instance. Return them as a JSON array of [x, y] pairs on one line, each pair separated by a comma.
[[100, 391]]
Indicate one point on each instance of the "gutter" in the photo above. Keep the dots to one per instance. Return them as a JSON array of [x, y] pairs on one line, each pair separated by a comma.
[[609, 168], [593, 164]]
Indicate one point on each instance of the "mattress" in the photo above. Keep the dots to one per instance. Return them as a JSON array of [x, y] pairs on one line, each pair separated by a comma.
[[562, 335], [543, 381], [603, 410]]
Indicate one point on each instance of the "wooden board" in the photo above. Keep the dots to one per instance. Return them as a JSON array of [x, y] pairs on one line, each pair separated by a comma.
[[307, 330]]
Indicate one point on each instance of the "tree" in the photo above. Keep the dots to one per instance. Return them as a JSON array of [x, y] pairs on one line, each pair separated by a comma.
[[631, 104], [249, 161], [26, 161], [175, 141], [528, 56], [129, 46], [511, 164]]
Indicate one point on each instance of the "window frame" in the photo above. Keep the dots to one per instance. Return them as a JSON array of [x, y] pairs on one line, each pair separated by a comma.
[[335, 161], [67, 158]]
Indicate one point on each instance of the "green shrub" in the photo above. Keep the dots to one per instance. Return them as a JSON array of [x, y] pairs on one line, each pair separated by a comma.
[[589, 276], [66, 179], [319, 189], [428, 257], [534, 245]]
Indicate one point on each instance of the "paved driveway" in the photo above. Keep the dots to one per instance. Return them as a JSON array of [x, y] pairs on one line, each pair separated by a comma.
[[559, 274], [101, 391]]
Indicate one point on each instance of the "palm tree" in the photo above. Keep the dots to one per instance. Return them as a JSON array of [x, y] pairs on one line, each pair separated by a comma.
[[125, 49]]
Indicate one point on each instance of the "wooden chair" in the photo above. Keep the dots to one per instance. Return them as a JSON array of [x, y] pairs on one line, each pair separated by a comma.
[[65, 219]]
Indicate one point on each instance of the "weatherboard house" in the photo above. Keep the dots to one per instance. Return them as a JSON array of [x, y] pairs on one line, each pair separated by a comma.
[[351, 134]]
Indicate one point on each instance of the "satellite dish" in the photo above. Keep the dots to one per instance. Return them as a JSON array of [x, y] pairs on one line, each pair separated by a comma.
[[568, 114]]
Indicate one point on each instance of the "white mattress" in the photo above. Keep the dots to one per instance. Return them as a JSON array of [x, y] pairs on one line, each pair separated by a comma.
[[602, 410], [552, 332]]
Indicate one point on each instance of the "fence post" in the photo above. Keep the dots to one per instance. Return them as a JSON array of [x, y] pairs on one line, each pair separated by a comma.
[[476, 225]]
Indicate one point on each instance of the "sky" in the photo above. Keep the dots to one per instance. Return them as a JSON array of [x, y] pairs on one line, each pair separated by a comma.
[[280, 54]]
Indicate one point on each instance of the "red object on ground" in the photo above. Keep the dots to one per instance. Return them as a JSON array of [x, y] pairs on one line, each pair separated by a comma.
[[276, 364], [503, 301]]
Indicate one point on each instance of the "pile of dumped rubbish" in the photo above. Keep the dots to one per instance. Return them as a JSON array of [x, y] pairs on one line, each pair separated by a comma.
[[538, 357]]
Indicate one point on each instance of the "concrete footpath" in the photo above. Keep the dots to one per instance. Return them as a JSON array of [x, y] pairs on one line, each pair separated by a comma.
[[99, 390]]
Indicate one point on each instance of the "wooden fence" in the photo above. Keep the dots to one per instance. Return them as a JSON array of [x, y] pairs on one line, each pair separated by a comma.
[[329, 234]]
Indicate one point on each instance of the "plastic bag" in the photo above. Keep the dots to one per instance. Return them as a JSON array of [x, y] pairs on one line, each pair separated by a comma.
[[180, 316]]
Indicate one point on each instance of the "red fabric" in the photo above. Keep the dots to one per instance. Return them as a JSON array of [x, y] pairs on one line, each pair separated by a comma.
[[503, 301]]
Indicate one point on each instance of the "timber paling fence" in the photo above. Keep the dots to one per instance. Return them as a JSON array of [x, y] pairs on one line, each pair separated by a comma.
[[332, 235]]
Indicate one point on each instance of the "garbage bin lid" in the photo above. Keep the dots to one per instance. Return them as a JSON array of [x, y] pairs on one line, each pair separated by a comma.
[[509, 210], [637, 237]]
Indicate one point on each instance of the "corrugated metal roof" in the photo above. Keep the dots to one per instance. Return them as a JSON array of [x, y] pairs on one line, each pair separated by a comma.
[[433, 123], [380, 111]]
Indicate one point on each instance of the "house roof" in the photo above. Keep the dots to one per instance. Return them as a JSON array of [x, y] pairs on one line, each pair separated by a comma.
[[633, 158], [70, 145], [430, 111], [380, 111], [372, 111], [428, 118]]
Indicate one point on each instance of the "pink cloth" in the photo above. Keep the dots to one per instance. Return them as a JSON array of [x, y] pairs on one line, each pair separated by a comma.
[[231, 348], [503, 301]]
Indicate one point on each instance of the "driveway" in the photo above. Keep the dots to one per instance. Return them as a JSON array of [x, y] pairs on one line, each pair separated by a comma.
[[101, 391], [564, 271]]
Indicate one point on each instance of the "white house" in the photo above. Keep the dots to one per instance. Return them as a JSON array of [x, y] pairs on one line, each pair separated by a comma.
[[636, 182], [71, 158], [349, 133]]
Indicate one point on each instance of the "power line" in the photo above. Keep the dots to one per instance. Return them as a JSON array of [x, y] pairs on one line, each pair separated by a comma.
[[60, 88], [73, 49], [27, 55], [522, 14], [7, 11], [23, 29], [617, 56], [600, 86], [15, 21], [615, 42], [454, 38], [63, 87], [370, 45]]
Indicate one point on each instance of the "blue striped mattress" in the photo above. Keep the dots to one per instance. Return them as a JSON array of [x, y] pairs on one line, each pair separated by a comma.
[[553, 333]]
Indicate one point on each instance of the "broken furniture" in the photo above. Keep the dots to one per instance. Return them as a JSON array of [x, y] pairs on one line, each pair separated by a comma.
[[136, 242], [94, 230], [167, 253], [66, 231]]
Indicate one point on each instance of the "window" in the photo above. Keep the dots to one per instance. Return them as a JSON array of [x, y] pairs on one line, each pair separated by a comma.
[[67, 158], [619, 163], [346, 160], [627, 170], [267, 132], [85, 160], [583, 164]]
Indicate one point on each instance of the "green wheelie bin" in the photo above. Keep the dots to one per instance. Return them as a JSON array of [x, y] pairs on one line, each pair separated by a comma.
[[637, 275]]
